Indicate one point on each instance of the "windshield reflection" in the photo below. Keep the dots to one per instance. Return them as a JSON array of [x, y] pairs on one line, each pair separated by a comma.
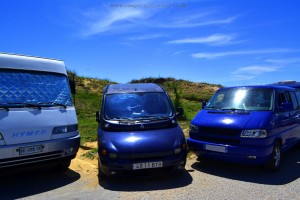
[[137, 106]]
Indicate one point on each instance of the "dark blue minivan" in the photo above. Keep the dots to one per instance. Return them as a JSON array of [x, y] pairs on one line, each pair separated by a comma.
[[249, 124], [138, 130]]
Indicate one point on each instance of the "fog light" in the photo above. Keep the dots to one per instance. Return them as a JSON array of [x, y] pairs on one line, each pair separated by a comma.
[[104, 152], [112, 172], [113, 155], [252, 157], [177, 151]]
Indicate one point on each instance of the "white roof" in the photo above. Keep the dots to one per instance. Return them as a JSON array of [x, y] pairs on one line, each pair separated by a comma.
[[13, 61]]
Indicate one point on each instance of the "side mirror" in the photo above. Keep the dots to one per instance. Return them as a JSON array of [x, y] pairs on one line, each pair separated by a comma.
[[98, 116], [72, 86], [285, 107], [203, 104], [179, 112]]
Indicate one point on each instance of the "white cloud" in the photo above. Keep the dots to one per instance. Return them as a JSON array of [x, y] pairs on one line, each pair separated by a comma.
[[215, 39], [205, 55], [147, 37], [255, 70], [283, 61]]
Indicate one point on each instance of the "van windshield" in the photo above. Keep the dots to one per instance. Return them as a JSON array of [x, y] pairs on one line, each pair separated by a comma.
[[137, 106], [252, 99], [31, 88]]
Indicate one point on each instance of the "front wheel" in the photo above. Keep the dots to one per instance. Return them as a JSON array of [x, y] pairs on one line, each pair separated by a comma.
[[274, 163]]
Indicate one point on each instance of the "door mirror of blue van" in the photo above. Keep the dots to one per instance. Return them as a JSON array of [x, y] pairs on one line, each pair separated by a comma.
[[72, 86], [285, 107], [203, 104], [98, 116], [180, 112]]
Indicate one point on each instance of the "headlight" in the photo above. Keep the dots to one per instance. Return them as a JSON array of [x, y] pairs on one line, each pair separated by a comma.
[[193, 128], [254, 133], [1, 137], [65, 129]]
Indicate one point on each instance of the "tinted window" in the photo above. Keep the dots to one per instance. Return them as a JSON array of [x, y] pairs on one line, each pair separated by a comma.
[[294, 100], [242, 98], [280, 98], [137, 105]]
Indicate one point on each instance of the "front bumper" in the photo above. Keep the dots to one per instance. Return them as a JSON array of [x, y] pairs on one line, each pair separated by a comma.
[[239, 154], [117, 166], [52, 150]]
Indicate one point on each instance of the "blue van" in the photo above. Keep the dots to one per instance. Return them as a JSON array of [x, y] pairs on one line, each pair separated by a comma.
[[249, 124], [138, 130]]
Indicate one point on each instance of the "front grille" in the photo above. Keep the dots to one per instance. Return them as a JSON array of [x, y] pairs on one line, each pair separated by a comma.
[[9, 162], [143, 156], [219, 131], [217, 135]]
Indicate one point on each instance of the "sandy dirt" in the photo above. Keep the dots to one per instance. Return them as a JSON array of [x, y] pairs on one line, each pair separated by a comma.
[[87, 168]]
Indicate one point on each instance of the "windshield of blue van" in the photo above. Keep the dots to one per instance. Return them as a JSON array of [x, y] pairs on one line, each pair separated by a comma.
[[248, 99], [29, 88], [137, 106]]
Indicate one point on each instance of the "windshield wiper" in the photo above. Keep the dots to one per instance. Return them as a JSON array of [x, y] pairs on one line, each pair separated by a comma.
[[151, 117], [213, 108], [51, 104], [21, 105], [4, 106]]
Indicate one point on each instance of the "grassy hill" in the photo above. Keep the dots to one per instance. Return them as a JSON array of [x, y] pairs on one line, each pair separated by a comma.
[[185, 94]]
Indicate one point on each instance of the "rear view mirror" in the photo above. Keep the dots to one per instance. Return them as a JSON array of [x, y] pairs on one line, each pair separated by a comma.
[[98, 116], [72, 86], [179, 112], [203, 104], [285, 107]]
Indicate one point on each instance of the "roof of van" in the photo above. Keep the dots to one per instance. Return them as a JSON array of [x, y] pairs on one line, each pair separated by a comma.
[[14, 61], [271, 86], [133, 88], [293, 84]]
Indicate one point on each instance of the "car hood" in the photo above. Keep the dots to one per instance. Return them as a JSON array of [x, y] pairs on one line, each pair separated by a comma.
[[149, 141], [233, 119]]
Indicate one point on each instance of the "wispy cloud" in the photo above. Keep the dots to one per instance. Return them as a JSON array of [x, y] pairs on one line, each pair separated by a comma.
[[205, 55], [215, 39], [204, 19], [147, 37], [121, 18], [251, 72], [255, 70], [128, 19], [283, 61]]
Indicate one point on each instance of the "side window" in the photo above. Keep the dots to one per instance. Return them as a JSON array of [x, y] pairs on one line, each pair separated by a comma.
[[280, 99], [294, 100]]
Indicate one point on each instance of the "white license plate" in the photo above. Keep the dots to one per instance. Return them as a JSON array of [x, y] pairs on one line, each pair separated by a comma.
[[30, 150], [215, 148], [147, 165]]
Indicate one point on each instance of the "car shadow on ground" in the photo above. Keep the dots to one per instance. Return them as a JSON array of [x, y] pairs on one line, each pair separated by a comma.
[[289, 171], [20, 183], [147, 182]]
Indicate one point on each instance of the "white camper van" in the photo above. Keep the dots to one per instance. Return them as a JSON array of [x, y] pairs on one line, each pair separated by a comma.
[[38, 121]]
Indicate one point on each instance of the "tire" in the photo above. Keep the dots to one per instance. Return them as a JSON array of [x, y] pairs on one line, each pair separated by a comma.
[[101, 175], [63, 166], [274, 163]]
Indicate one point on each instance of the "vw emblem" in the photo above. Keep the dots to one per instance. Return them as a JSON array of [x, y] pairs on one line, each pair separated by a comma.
[[142, 126]]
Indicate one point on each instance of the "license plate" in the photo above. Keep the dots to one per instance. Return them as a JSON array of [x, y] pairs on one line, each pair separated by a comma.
[[216, 148], [147, 165], [30, 150]]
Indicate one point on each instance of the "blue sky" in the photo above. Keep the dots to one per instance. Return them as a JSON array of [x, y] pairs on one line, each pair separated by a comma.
[[214, 41]]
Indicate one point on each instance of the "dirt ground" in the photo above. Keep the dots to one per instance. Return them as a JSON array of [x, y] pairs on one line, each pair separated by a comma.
[[87, 168]]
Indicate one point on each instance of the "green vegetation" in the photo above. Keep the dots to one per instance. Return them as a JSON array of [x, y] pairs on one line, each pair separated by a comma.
[[90, 154], [185, 94]]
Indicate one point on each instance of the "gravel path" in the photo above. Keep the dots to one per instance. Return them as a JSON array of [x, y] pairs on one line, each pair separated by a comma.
[[201, 180]]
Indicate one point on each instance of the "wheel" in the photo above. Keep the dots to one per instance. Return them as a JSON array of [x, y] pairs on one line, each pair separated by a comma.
[[274, 163], [63, 166], [101, 175]]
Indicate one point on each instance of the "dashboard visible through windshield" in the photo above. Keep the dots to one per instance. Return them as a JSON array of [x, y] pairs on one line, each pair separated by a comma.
[[137, 106]]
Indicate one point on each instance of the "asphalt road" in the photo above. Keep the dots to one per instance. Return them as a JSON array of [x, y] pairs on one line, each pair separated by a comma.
[[202, 180]]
